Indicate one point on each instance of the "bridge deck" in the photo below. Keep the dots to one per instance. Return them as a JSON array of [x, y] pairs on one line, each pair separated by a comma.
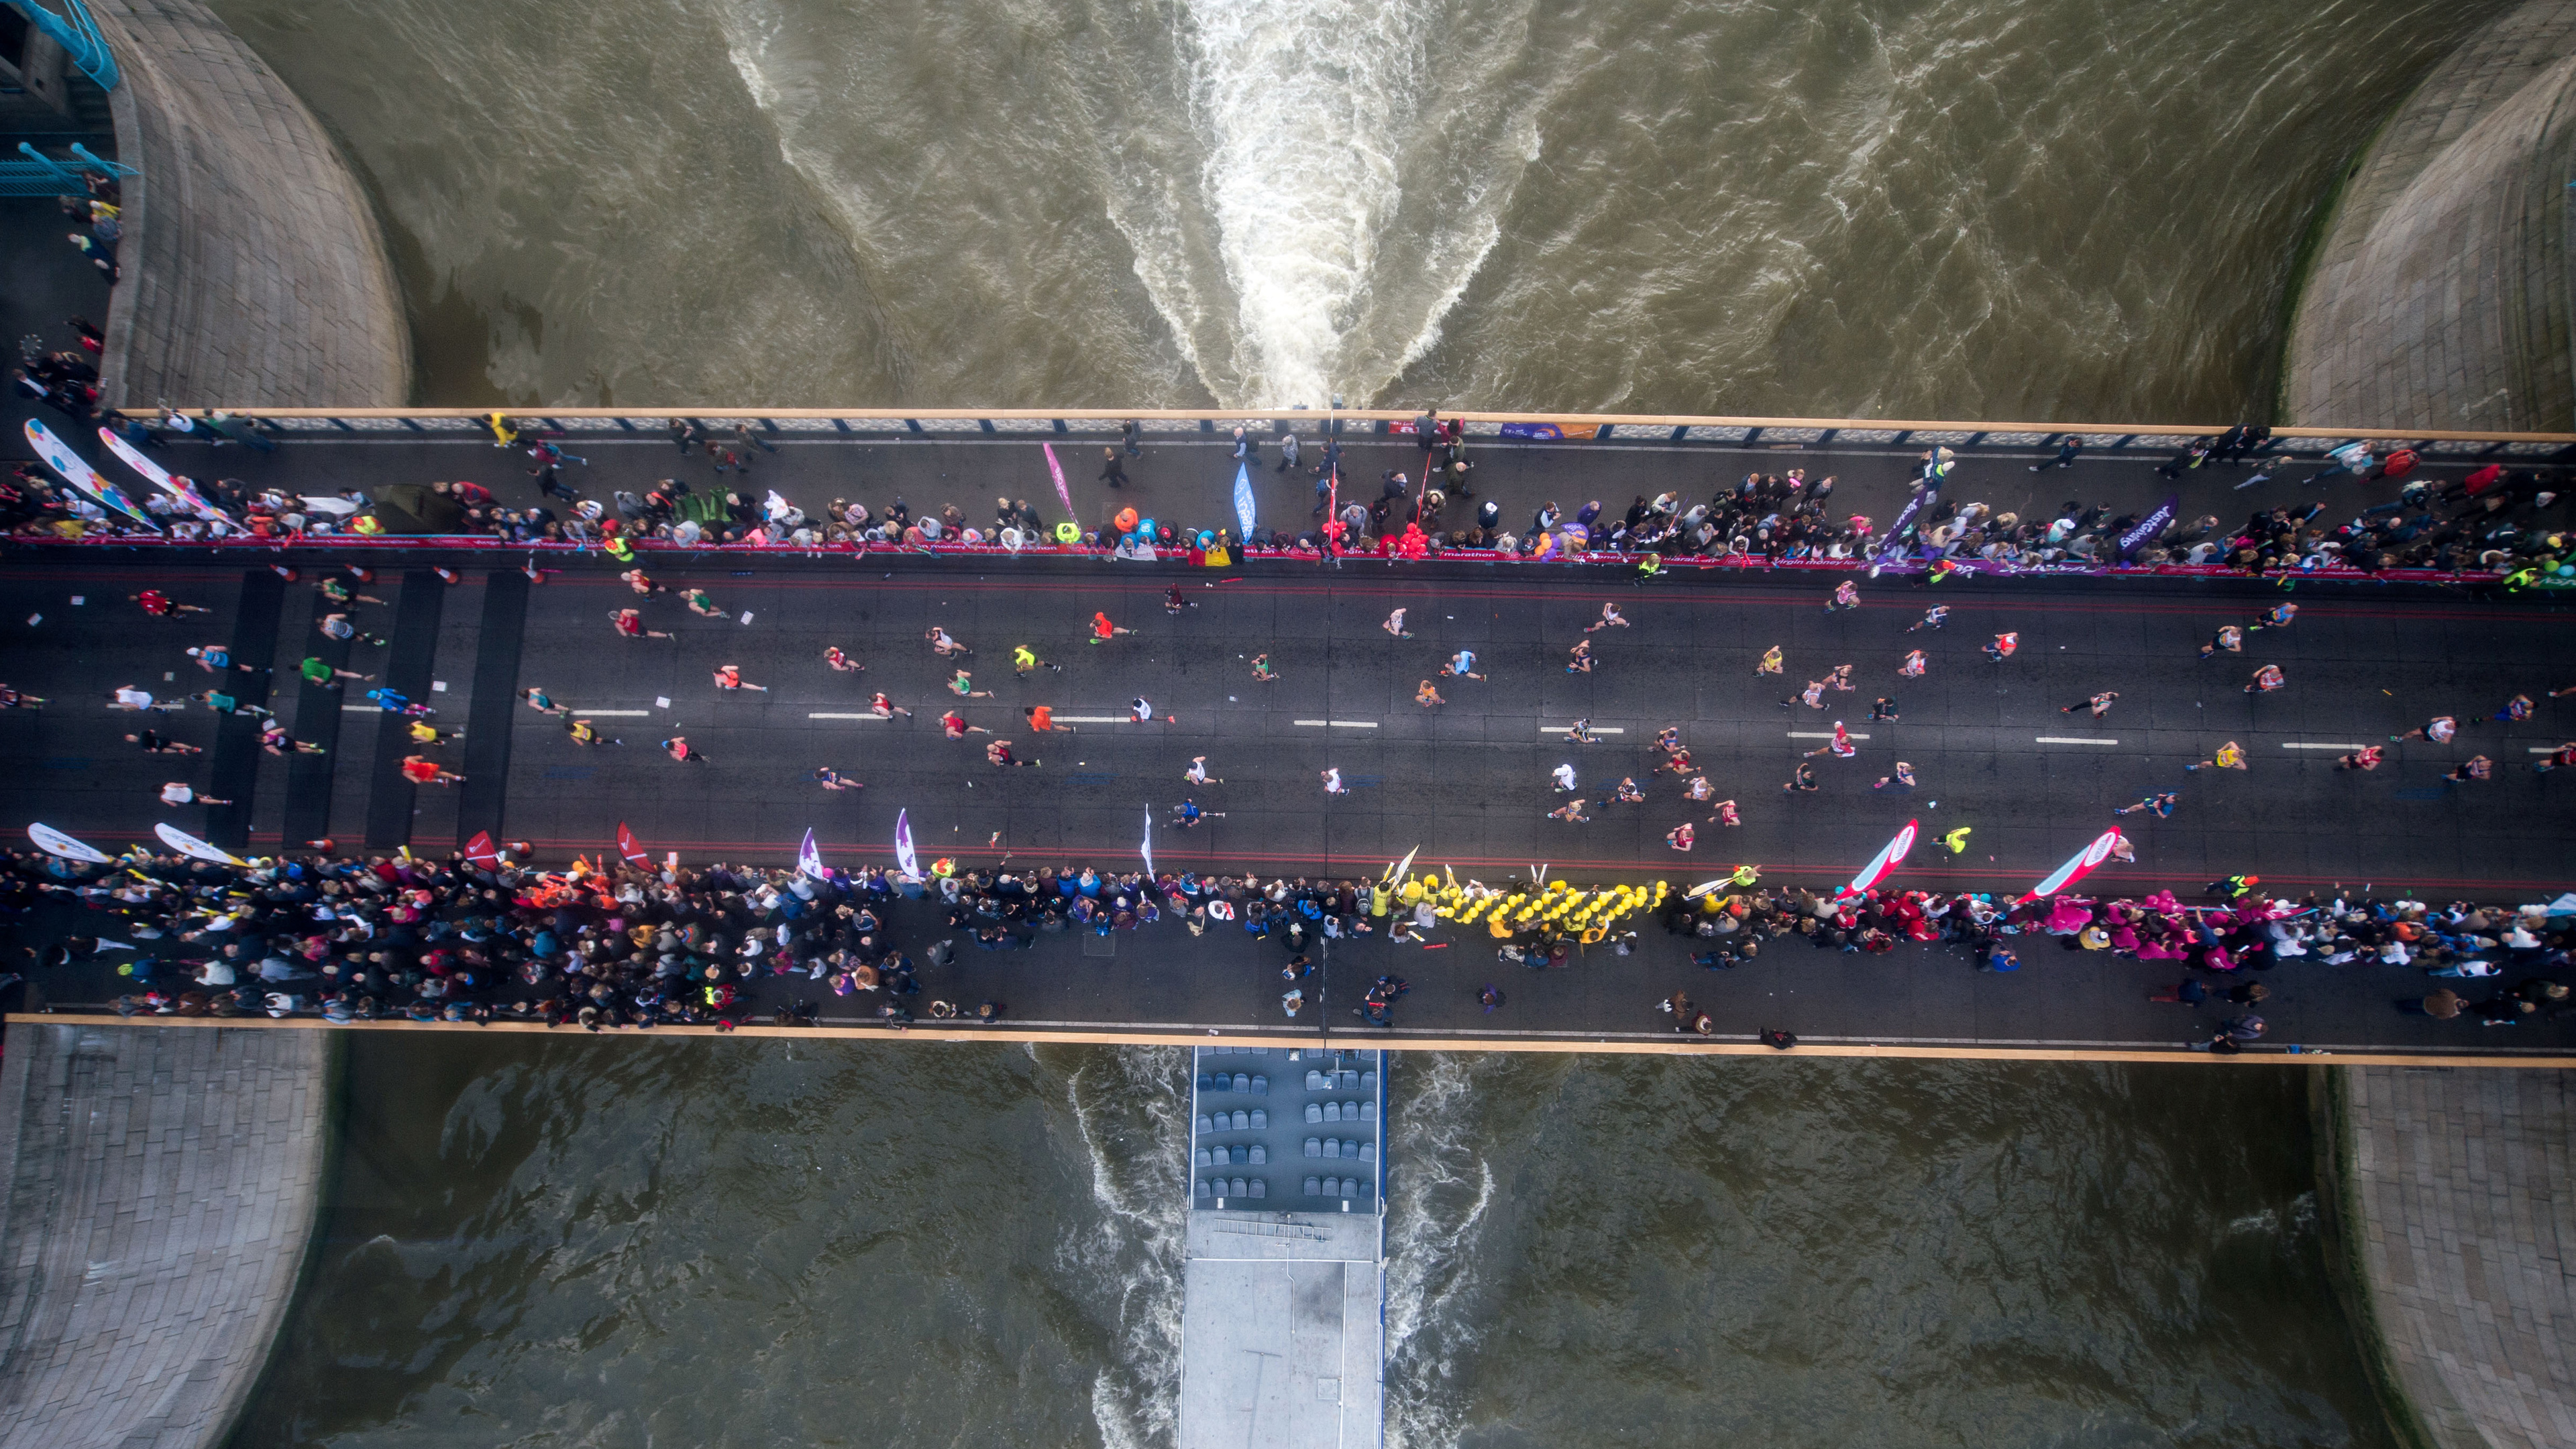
[[1468, 783]]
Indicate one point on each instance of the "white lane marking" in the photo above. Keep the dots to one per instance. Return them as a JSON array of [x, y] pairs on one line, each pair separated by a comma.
[[2072, 740], [360, 709], [826, 714], [1820, 735], [2314, 745], [1337, 724], [1569, 729], [1092, 718], [617, 713], [2541, 750]]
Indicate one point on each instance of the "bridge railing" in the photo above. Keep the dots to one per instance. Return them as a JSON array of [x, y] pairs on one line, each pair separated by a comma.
[[1528, 428]]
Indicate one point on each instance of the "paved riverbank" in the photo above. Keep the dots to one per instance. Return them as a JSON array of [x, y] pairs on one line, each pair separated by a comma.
[[2461, 1225], [2438, 295], [163, 1185], [253, 265]]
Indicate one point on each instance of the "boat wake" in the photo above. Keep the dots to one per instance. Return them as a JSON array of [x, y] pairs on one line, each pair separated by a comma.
[[1442, 1184], [1130, 1113]]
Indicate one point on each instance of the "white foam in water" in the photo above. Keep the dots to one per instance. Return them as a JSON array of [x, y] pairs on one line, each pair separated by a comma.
[[1146, 1194], [1304, 104], [1443, 1186]]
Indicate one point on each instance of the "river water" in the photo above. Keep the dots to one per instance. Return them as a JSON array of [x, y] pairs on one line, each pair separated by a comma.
[[569, 1241], [1965, 208], [2082, 211]]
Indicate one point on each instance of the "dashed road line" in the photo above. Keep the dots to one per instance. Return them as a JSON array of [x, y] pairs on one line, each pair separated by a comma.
[[2072, 740], [1821, 735], [1092, 718], [1337, 724], [1569, 729], [827, 714], [614, 713], [2314, 745]]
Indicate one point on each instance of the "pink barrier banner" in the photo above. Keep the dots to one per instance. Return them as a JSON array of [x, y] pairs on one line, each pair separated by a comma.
[[344, 543]]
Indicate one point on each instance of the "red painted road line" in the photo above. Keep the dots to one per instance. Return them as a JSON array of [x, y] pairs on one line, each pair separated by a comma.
[[1152, 586], [1433, 589]]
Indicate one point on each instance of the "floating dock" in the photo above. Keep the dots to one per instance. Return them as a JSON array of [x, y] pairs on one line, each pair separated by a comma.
[[1283, 1317]]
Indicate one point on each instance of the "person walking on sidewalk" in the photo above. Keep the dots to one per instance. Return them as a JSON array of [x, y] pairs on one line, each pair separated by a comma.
[[2069, 448]]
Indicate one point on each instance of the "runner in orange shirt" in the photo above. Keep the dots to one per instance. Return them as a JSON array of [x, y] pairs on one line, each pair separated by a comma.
[[421, 771]]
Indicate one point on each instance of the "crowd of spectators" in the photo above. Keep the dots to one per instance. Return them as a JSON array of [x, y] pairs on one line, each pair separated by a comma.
[[2219, 950], [2495, 520], [364, 939]]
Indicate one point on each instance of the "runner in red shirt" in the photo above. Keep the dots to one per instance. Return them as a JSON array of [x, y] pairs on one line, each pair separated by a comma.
[[886, 708], [1102, 631], [630, 623], [957, 727], [161, 606]]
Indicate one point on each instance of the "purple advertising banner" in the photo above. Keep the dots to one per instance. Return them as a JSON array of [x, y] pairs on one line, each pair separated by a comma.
[[2149, 526]]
